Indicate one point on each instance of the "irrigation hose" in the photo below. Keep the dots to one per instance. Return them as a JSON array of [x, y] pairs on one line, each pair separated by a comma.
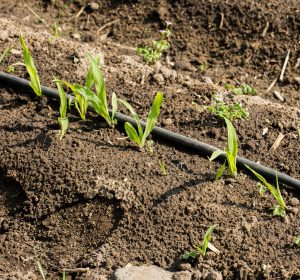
[[171, 137]]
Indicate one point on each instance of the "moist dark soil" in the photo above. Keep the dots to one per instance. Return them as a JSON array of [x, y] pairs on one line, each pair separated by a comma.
[[93, 200]]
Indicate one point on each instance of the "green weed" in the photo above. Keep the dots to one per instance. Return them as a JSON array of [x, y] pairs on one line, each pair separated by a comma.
[[203, 67], [200, 249], [40, 268], [31, 69], [231, 152], [243, 89], [63, 120], [4, 54], [297, 240], [231, 112], [139, 135], [162, 167], [280, 208], [152, 54]]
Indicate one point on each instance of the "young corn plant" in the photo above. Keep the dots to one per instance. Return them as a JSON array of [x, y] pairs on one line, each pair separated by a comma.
[[85, 94], [152, 54], [31, 69], [231, 153], [140, 135], [280, 208], [63, 120], [192, 255]]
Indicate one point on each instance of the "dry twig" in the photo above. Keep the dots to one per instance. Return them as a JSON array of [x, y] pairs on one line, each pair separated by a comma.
[[284, 66], [277, 142]]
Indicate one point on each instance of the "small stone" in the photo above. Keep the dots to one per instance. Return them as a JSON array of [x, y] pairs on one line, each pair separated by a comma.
[[297, 79], [76, 36], [183, 275], [94, 6], [144, 272], [214, 275], [4, 35], [185, 266], [208, 80], [15, 52], [265, 131], [168, 122], [167, 72], [159, 78], [294, 201]]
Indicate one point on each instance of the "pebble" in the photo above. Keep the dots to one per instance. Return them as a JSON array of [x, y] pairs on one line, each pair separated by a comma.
[[94, 6], [76, 36], [159, 78], [4, 35], [184, 266], [214, 275], [183, 275], [294, 201]]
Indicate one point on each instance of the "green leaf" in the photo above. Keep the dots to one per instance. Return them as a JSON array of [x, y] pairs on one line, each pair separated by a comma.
[[189, 255], [274, 191], [114, 107], [98, 80], [64, 125], [202, 249], [132, 134], [220, 171], [297, 240], [4, 54], [278, 211], [215, 154], [40, 268], [152, 116], [31, 69], [262, 189], [89, 77], [134, 115], [231, 164], [232, 138], [63, 99]]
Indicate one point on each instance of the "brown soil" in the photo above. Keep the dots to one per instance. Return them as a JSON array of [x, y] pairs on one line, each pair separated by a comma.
[[93, 200]]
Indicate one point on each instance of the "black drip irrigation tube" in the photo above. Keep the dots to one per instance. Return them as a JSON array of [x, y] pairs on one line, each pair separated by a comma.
[[171, 137]]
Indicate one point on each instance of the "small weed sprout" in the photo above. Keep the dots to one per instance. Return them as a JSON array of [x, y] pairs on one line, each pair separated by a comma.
[[297, 240], [231, 152], [231, 112], [139, 135], [31, 69], [203, 67], [4, 54], [162, 167], [152, 54], [40, 268], [280, 208], [243, 89], [200, 249], [63, 120]]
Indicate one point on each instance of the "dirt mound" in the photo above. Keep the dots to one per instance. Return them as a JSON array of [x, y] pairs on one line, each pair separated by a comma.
[[92, 200]]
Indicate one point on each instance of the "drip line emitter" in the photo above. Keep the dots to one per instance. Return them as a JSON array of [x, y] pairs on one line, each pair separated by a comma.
[[172, 138]]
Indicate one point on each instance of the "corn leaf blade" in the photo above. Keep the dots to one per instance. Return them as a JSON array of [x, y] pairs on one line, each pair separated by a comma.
[[153, 115], [132, 134]]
